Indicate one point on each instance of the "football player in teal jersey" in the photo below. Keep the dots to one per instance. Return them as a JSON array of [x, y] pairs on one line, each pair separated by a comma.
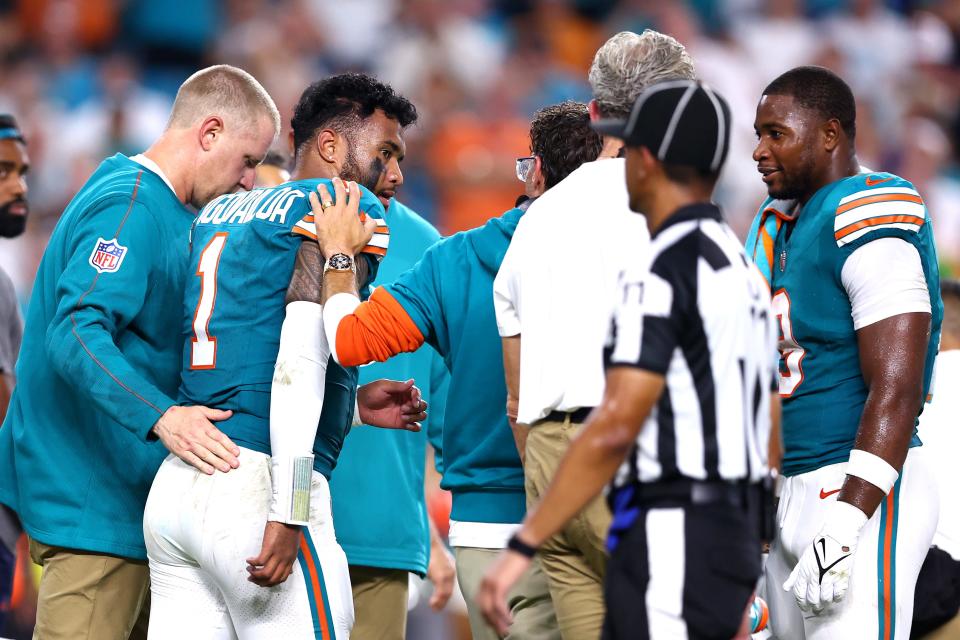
[[850, 258], [251, 346]]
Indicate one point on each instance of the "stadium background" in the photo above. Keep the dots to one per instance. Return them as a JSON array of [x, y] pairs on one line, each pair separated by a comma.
[[88, 78]]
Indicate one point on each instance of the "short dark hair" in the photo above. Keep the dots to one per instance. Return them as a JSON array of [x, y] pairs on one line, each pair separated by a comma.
[[820, 90], [561, 136], [12, 130], [342, 101], [687, 175]]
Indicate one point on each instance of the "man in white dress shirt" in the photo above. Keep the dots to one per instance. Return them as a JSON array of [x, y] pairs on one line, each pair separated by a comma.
[[554, 303]]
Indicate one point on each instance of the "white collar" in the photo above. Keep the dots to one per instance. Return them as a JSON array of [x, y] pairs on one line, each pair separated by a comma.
[[147, 163]]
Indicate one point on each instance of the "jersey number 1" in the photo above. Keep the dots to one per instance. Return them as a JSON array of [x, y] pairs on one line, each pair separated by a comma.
[[203, 350], [791, 353]]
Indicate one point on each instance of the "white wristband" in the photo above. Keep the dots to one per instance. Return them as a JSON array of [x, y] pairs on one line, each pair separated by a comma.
[[291, 478], [873, 469]]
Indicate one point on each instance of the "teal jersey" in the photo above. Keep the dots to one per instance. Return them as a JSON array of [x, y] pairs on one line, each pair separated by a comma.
[[99, 365], [242, 252], [385, 462], [449, 296], [821, 383]]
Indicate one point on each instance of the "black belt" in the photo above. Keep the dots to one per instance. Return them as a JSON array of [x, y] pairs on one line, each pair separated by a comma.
[[578, 416], [736, 494]]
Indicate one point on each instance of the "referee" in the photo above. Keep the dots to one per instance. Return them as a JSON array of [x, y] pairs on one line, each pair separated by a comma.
[[686, 411]]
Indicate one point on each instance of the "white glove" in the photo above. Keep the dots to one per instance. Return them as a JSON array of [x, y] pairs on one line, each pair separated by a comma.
[[822, 575]]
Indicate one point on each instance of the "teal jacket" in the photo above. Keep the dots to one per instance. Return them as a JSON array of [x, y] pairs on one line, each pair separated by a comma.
[[449, 296], [100, 363], [383, 467]]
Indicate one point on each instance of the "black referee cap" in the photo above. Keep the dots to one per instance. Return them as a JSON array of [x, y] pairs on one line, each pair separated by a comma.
[[9, 129], [681, 122]]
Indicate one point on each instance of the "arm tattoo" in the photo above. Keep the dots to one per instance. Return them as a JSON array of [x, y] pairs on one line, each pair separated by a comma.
[[305, 284], [307, 273]]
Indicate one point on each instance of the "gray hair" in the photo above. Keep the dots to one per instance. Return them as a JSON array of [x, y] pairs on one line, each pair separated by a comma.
[[628, 63], [222, 89]]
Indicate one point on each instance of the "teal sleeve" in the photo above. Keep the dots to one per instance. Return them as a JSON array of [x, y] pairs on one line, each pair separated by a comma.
[[95, 309], [418, 292], [439, 384]]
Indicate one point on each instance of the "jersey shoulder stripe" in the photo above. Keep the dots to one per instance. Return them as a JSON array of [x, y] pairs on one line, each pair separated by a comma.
[[378, 244], [896, 206]]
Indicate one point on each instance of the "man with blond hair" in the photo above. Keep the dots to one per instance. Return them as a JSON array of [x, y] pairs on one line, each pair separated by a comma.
[[554, 372], [93, 414]]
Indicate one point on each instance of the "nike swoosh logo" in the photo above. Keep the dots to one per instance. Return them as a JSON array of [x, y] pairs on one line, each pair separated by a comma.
[[871, 181], [826, 494], [824, 570]]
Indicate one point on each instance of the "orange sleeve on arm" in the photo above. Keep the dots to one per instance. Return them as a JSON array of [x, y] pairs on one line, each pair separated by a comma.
[[377, 330]]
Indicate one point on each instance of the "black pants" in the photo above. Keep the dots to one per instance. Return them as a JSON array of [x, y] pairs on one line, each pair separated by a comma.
[[682, 569]]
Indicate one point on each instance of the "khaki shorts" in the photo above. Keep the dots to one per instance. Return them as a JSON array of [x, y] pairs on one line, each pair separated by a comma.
[[90, 595], [575, 560], [379, 603], [529, 600]]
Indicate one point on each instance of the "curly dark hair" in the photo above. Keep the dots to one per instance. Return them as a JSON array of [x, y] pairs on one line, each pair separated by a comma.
[[561, 136], [820, 90], [343, 102]]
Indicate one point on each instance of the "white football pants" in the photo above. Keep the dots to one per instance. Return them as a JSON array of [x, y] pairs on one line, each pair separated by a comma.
[[199, 532], [890, 552]]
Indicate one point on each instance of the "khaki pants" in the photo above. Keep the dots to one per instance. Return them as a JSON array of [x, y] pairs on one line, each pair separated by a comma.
[[575, 560], [379, 603], [949, 631], [529, 600], [90, 596]]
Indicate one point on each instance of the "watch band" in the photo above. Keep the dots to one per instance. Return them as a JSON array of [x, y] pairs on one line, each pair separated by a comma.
[[521, 547], [340, 262]]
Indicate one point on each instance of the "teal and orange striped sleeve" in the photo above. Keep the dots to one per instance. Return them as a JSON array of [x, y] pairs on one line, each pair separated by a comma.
[[377, 330]]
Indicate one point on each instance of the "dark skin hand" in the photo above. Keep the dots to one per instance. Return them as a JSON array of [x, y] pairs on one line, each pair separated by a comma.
[[892, 357], [281, 542], [391, 405]]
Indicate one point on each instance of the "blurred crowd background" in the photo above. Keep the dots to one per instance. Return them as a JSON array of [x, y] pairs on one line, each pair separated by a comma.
[[88, 78]]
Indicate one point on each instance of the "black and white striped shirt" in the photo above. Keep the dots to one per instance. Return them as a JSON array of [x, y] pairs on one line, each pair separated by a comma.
[[699, 314]]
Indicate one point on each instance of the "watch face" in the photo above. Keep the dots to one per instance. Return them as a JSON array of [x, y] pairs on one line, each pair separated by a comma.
[[340, 261]]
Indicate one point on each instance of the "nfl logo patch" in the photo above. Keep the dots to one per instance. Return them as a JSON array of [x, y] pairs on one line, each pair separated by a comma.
[[107, 255]]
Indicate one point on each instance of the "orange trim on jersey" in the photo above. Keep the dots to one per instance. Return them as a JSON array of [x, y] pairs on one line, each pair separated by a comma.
[[317, 591], [382, 228], [873, 222], [303, 232], [883, 197], [377, 330], [377, 251], [767, 240]]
